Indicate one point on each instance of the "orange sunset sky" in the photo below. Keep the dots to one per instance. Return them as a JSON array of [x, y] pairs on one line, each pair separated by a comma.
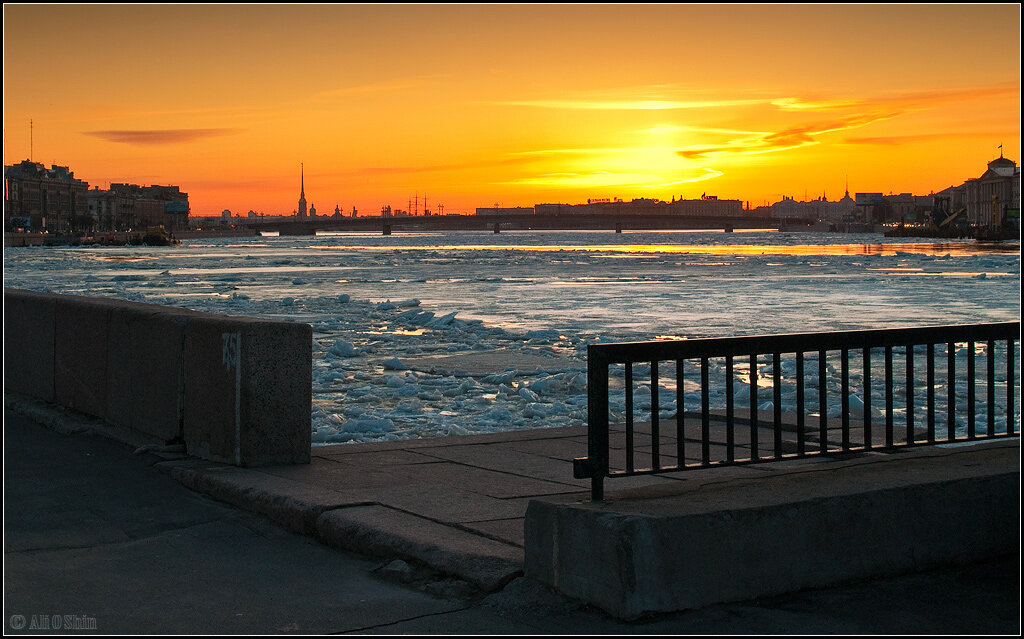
[[472, 105]]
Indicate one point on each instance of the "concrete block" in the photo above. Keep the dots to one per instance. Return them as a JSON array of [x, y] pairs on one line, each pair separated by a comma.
[[815, 528], [248, 390], [80, 353], [29, 325], [145, 388]]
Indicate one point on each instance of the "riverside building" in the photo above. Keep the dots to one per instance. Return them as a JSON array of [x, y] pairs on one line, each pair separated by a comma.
[[44, 199], [39, 199]]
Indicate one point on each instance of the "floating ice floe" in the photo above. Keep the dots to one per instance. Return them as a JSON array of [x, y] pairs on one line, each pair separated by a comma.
[[542, 334], [389, 305], [368, 424], [341, 348], [528, 394], [501, 378], [442, 321]]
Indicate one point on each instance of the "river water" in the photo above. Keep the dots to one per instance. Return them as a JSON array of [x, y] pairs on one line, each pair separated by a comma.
[[384, 307]]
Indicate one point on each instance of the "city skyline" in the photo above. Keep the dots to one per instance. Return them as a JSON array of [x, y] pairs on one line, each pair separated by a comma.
[[515, 105]]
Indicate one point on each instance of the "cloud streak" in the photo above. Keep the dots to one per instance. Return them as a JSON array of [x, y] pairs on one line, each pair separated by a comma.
[[658, 98], [401, 84], [155, 137], [790, 138], [896, 140], [630, 105], [429, 168], [609, 178], [709, 174]]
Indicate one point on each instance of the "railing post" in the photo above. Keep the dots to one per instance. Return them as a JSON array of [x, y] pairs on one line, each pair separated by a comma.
[[597, 421], [596, 466]]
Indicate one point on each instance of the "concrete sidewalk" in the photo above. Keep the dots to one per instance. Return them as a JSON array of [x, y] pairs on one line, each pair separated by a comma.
[[93, 530]]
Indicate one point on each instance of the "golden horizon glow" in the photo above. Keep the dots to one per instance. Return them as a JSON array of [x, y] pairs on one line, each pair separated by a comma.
[[472, 105]]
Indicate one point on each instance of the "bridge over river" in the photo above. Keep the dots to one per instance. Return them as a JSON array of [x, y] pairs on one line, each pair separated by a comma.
[[510, 222]]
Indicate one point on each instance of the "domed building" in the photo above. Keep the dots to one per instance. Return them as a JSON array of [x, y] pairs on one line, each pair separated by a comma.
[[995, 196]]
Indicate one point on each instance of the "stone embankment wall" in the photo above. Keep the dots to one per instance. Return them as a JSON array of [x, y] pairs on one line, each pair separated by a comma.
[[232, 389]]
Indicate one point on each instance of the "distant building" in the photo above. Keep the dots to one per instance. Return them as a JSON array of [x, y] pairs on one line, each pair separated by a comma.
[[175, 205], [877, 208], [819, 209], [112, 211], [509, 210], [52, 199], [301, 212], [707, 206], [41, 198], [125, 207], [996, 190], [995, 193]]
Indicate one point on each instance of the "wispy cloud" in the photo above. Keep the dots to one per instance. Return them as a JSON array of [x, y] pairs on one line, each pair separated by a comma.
[[153, 137], [671, 129], [610, 178], [799, 104], [588, 151], [925, 98], [399, 84], [709, 174], [907, 100], [790, 138], [896, 140], [428, 168], [669, 97], [629, 105], [598, 178]]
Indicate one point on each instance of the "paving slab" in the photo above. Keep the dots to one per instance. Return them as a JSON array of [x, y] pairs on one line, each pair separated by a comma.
[[508, 530], [448, 504], [502, 458], [560, 448], [292, 504], [378, 530], [348, 473]]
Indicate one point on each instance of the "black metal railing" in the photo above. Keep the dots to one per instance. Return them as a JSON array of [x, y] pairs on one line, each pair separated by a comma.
[[894, 409]]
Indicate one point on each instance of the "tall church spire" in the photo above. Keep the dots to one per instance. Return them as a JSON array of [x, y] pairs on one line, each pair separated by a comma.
[[302, 191]]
